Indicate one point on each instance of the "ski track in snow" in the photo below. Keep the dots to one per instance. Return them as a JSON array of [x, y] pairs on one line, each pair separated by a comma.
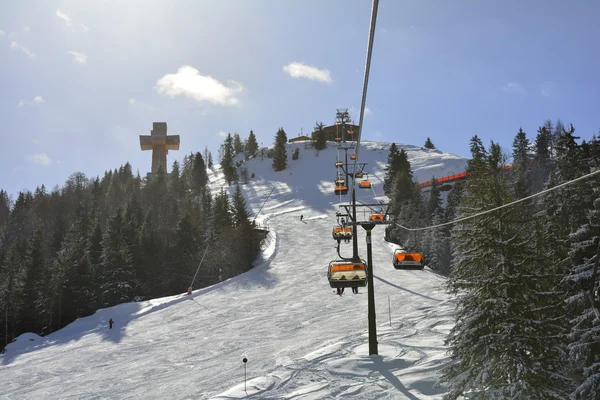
[[302, 341]]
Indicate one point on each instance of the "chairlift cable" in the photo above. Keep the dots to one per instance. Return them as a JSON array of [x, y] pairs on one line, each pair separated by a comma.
[[583, 177]]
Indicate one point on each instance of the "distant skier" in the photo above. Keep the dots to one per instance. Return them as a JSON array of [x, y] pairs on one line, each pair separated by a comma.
[[110, 323], [301, 217]]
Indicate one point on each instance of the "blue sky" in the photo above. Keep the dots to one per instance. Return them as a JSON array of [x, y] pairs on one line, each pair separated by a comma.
[[81, 80]]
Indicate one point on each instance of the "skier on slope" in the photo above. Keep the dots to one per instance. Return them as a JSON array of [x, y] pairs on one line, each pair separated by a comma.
[[110, 323], [301, 217]]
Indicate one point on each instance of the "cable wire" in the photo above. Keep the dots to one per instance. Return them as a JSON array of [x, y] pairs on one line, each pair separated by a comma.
[[502, 206], [365, 86]]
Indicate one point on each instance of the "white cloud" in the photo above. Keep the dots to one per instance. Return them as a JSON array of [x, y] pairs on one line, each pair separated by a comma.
[[16, 46], [36, 100], [41, 159], [70, 25], [26, 29], [222, 133], [301, 70], [514, 87], [63, 16], [138, 104], [546, 89], [80, 58], [188, 82], [355, 113]]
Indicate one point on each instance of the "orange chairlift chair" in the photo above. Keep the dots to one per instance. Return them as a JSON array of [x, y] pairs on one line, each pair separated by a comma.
[[364, 184], [343, 274], [342, 233], [406, 260], [340, 190]]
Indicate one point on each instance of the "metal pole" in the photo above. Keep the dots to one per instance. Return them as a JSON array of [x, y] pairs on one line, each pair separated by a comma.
[[245, 360], [354, 227], [371, 294], [390, 308]]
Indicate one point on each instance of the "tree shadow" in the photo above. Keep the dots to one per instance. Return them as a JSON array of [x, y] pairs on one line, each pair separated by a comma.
[[386, 368], [405, 289]]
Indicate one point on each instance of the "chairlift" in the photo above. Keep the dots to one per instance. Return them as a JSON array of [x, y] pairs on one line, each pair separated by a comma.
[[342, 233], [340, 190], [406, 260], [343, 274], [339, 164], [340, 182], [377, 217], [338, 139], [359, 174], [364, 184], [353, 157]]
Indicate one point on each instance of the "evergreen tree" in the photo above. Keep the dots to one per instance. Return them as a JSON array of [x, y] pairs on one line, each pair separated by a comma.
[[227, 166], [36, 304], [11, 290], [184, 256], [429, 144], [117, 272], [585, 332], [199, 174], [238, 147], [239, 208], [222, 212], [319, 136], [390, 169], [206, 153], [210, 160], [251, 146], [74, 271], [296, 153], [502, 344], [280, 151], [521, 159], [4, 208], [176, 185], [435, 199]]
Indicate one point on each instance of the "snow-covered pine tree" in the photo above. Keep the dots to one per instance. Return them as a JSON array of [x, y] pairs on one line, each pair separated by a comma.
[[584, 346], [499, 346], [521, 160]]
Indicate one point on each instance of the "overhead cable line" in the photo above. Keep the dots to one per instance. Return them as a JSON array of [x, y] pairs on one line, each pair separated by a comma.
[[500, 207]]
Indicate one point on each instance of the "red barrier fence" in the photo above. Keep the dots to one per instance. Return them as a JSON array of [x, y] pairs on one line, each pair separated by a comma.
[[452, 178]]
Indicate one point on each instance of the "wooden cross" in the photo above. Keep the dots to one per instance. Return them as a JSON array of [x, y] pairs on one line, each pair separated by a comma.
[[160, 144]]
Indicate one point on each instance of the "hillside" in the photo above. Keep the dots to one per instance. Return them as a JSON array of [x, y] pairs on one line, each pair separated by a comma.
[[301, 340]]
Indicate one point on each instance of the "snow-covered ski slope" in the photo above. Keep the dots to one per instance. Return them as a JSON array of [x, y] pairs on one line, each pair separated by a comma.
[[301, 340]]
